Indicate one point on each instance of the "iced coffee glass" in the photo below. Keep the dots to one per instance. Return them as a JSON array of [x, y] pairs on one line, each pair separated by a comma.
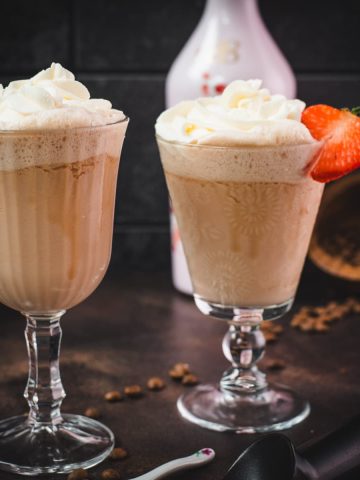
[[57, 194], [245, 216]]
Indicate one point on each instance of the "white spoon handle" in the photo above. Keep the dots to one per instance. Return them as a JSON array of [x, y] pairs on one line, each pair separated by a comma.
[[196, 460]]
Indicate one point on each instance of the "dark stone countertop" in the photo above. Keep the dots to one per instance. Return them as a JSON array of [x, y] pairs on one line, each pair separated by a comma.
[[135, 326]]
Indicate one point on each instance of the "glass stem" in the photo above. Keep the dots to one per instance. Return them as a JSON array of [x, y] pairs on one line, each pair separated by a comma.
[[244, 345], [44, 391]]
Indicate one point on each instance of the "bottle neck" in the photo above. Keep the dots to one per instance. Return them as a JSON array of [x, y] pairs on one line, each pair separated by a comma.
[[226, 9]]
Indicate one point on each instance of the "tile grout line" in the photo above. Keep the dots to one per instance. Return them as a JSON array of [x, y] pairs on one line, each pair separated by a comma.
[[71, 34], [155, 228], [161, 73], [303, 75]]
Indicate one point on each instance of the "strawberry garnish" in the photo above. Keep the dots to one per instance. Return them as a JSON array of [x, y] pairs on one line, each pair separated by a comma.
[[340, 132]]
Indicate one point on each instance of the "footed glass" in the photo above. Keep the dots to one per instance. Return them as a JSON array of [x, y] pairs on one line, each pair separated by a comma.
[[57, 196], [245, 216]]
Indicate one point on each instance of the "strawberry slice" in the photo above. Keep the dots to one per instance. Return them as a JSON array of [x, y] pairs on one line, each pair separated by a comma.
[[340, 132]]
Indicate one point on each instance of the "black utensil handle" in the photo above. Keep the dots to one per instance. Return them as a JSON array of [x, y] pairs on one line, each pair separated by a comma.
[[337, 452]]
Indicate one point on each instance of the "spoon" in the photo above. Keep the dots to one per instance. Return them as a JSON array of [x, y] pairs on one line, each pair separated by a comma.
[[202, 457], [274, 457]]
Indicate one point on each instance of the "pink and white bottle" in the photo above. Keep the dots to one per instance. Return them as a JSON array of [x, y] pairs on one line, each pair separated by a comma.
[[230, 42]]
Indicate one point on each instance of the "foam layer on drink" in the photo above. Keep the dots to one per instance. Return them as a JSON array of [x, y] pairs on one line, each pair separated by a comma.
[[244, 114], [52, 99], [21, 149], [286, 163]]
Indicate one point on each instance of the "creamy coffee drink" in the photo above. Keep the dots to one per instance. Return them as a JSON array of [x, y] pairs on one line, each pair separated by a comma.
[[59, 156], [236, 169], [245, 240]]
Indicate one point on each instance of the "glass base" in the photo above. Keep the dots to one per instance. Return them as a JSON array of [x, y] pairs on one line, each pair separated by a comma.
[[32, 449], [231, 313], [274, 408]]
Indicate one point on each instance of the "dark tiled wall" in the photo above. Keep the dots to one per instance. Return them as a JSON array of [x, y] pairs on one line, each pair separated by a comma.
[[122, 51]]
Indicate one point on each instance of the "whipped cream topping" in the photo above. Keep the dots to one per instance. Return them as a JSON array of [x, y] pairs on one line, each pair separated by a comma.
[[52, 99], [244, 114]]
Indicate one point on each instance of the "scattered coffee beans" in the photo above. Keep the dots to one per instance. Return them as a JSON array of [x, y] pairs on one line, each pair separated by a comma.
[[318, 319]]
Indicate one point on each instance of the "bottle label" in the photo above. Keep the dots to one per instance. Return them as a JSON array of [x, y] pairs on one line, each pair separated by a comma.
[[212, 85]]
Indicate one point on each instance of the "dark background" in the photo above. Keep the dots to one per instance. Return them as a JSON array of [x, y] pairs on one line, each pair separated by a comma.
[[122, 50]]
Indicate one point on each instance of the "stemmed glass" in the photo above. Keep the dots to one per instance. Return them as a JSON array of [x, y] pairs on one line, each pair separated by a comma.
[[245, 216], [57, 196]]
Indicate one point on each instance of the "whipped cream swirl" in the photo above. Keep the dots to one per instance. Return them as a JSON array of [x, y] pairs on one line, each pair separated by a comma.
[[52, 99], [244, 114]]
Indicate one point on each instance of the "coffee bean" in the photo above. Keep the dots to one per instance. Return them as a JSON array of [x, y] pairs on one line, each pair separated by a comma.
[[110, 474], [92, 412], [190, 380], [176, 374], [183, 367], [321, 327], [156, 383], [78, 474], [133, 391], [113, 396], [118, 454], [178, 371]]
